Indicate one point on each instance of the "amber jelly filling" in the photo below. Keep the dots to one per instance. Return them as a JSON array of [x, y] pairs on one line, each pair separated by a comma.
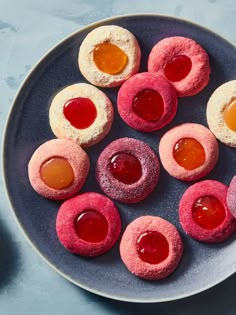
[[148, 105], [178, 68], [125, 167], [109, 58], [57, 173], [208, 212], [91, 226], [80, 112], [230, 115], [152, 247], [189, 153]]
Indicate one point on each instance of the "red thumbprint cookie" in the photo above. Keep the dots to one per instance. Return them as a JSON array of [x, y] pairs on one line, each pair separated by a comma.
[[147, 102], [203, 212], [183, 62], [88, 224], [151, 248]]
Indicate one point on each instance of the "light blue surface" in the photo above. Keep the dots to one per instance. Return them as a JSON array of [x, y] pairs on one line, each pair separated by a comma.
[[27, 30]]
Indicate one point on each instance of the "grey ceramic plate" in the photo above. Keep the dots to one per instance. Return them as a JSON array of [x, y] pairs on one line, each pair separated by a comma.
[[202, 266]]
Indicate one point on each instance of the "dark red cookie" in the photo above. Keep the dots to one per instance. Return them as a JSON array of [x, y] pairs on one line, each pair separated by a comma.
[[147, 102], [183, 62], [88, 224], [151, 247], [127, 170], [203, 212]]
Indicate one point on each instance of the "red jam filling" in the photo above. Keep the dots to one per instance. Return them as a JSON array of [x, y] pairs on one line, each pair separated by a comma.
[[91, 226], [125, 167], [80, 112], [189, 153], [208, 212], [148, 105], [178, 68], [152, 247], [57, 173]]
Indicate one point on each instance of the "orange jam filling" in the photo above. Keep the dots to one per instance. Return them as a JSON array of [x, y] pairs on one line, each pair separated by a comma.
[[152, 247], [109, 58], [189, 153], [57, 173], [208, 212], [230, 115], [91, 226]]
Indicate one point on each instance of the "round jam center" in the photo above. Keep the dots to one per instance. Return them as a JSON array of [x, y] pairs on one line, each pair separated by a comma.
[[148, 105], [230, 115], [125, 167], [178, 68], [109, 58], [80, 112], [208, 212], [189, 153], [57, 173], [91, 226], [152, 247]]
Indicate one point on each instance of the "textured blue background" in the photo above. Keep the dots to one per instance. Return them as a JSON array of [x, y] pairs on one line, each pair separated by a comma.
[[27, 30]]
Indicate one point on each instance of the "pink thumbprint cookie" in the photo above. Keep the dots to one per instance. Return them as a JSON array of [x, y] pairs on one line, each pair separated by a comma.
[[88, 224], [58, 169], [203, 212], [151, 248], [231, 197], [109, 55], [183, 62], [127, 170], [147, 102], [188, 151], [82, 113]]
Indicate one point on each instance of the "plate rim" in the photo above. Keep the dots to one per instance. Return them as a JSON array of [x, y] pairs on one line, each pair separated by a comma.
[[4, 145]]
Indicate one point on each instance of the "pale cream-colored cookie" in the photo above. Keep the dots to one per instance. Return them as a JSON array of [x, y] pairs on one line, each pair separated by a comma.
[[103, 114], [219, 101], [115, 35]]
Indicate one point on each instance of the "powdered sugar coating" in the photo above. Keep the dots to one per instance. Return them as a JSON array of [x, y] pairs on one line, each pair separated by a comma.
[[197, 132], [137, 83], [216, 105], [194, 192], [231, 197], [68, 150], [118, 36], [150, 171], [70, 211], [131, 258], [170, 47], [87, 137]]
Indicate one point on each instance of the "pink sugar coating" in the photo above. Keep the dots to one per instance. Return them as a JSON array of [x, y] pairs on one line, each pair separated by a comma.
[[68, 214], [131, 258], [150, 171], [67, 149], [138, 83], [231, 197], [197, 132], [170, 47], [194, 192]]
